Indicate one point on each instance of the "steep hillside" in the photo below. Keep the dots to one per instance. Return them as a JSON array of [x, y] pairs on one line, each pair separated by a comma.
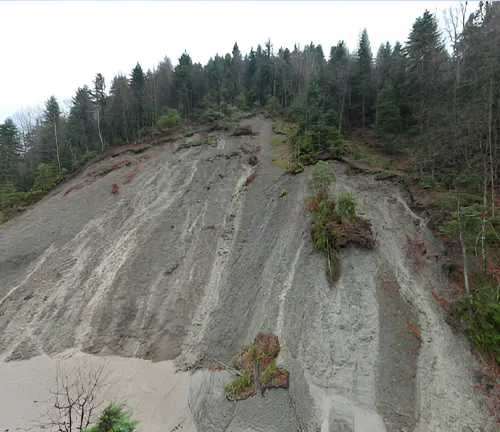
[[190, 259]]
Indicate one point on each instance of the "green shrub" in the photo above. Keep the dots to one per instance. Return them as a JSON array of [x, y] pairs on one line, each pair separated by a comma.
[[167, 121], [212, 141], [320, 218], [278, 140], [45, 178], [346, 206], [481, 312], [321, 179], [283, 193], [241, 383], [241, 101], [271, 369], [114, 419], [8, 196]]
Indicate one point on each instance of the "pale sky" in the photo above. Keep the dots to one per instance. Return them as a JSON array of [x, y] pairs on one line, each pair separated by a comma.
[[54, 47]]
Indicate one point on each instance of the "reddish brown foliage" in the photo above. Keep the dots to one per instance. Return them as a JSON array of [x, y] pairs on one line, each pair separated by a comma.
[[358, 231], [417, 243], [216, 368], [124, 161], [493, 271], [251, 178], [391, 286], [443, 302], [145, 156], [131, 176], [115, 190], [490, 387], [414, 330], [92, 176], [414, 350], [312, 205]]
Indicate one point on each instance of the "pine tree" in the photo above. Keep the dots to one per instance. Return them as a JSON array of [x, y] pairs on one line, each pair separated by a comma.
[[10, 152], [183, 84], [51, 133], [388, 123], [364, 95], [137, 93], [81, 121], [99, 99]]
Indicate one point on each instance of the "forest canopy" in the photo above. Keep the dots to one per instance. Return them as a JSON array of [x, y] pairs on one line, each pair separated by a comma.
[[441, 106]]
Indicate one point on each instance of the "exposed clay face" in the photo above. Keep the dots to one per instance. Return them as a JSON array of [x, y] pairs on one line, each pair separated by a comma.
[[188, 265]]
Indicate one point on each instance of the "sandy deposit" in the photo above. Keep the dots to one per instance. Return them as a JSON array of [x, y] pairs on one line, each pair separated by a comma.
[[155, 392], [188, 263]]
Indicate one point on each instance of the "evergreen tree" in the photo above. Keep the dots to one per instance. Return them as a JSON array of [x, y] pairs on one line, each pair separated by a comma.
[[81, 121], [183, 84], [363, 96], [388, 124], [10, 152], [52, 123], [137, 94]]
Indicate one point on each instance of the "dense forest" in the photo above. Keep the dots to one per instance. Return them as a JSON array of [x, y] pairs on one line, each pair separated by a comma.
[[434, 99], [439, 105]]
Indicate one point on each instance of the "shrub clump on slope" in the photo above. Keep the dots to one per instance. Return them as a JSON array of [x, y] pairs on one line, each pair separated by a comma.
[[258, 370], [334, 222]]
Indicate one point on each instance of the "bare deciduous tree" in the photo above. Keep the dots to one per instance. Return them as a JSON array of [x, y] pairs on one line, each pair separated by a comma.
[[76, 397]]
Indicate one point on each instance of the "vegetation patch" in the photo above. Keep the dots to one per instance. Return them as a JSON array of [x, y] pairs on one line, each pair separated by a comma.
[[257, 368], [131, 176], [334, 223], [243, 131], [92, 176]]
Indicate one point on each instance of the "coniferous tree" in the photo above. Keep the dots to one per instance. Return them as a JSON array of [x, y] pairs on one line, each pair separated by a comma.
[[137, 94], [10, 153], [183, 84]]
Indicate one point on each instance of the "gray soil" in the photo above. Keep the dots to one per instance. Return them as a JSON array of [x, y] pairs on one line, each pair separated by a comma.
[[188, 264]]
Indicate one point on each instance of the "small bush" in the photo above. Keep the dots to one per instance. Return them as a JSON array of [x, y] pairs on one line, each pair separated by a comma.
[[241, 383], [278, 140], [167, 121], [481, 312], [283, 193], [241, 101], [114, 419], [321, 179], [45, 178], [346, 206]]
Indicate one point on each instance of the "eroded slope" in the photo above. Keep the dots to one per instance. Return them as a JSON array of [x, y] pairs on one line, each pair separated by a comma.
[[189, 262]]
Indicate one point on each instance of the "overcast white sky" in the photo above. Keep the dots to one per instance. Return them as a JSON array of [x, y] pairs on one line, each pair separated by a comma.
[[54, 47]]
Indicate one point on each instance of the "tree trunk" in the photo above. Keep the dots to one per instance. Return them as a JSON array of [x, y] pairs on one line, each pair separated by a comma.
[[483, 228], [490, 142], [363, 114], [99, 128], [57, 147], [464, 247]]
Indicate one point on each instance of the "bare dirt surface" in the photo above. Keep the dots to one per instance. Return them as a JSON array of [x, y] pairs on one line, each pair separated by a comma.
[[189, 263], [157, 394]]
